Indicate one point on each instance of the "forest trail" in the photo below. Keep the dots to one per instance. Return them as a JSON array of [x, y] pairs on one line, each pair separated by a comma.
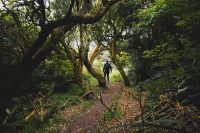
[[87, 121]]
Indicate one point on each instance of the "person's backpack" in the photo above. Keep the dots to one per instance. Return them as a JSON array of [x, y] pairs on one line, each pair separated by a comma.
[[107, 67]]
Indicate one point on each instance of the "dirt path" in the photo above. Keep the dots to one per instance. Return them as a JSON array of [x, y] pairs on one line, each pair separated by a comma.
[[87, 122]]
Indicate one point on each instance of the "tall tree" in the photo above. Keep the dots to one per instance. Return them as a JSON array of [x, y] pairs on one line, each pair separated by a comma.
[[111, 31], [47, 33]]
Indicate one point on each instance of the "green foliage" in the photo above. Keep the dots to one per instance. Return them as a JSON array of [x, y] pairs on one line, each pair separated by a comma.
[[161, 38], [60, 7], [115, 76], [92, 80], [149, 14], [62, 98], [10, 42], [74, 89], [60, 65], [53, 71], [173, 49], [38, 114], [188, 12]]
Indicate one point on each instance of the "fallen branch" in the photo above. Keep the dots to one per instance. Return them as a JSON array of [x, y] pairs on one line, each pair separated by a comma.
[[101, 100], [88, 95]]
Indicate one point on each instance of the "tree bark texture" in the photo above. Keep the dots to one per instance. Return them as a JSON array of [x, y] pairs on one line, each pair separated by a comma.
[[12, 77], [96, 52], [95, 74], [113, 52]]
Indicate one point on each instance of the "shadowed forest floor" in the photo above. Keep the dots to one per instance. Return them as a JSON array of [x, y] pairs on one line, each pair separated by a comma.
[[90, 120]]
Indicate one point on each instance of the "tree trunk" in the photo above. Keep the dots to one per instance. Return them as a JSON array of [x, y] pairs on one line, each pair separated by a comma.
[[80, 53], [71, 54], [95, 74], [13, 77], [96, 52], [121, 71], [117, 63], [142, 71], [73, 57]]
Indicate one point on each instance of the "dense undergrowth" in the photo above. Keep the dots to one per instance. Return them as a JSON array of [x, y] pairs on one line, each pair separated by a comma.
[[40, 112]]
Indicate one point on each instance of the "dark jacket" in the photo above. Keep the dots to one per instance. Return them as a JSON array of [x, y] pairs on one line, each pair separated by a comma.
[[107, 68]]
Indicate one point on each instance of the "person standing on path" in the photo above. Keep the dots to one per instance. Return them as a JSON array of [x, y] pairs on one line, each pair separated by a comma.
[[106, 70]]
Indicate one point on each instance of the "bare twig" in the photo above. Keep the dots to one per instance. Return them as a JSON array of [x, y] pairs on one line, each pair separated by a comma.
[[142, 111], [98, 125], [148, 124], [101, 99]]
